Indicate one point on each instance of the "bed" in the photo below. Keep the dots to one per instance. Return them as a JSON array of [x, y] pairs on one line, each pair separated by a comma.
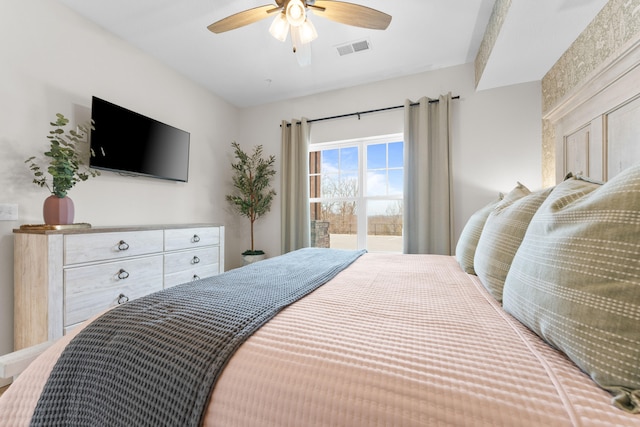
[[533, 322]]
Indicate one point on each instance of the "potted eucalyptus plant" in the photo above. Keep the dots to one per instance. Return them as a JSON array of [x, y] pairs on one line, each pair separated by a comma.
[[66, 168], [253, 193]]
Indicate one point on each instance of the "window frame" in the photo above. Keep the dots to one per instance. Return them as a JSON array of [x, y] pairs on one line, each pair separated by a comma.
[[361, 200]]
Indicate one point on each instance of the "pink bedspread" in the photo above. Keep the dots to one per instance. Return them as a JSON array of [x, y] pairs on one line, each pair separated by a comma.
[[402, 340]]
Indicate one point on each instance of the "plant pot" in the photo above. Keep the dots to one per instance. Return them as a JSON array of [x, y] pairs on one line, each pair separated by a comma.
[[58, 210], [249, 259]]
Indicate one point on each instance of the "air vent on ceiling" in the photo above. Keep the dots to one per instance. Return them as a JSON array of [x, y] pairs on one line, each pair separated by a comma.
[[353, 47]]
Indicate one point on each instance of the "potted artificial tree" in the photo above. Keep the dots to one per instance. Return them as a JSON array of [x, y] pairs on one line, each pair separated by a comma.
[[253, 193], [65, 167]]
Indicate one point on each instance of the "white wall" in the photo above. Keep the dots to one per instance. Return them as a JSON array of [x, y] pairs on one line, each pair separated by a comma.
[[54, 61], [496, 133]]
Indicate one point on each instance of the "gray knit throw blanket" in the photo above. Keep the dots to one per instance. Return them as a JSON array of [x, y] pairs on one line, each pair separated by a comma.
[[154, 361]]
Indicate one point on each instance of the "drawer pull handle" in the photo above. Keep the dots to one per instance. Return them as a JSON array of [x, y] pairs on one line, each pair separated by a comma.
[[122, 245], [195, 238], [195, 277], [122, 298], [195, 260], [123, 274]]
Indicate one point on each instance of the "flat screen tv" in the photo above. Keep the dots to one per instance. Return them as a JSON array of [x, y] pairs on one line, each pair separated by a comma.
[[128, 142]]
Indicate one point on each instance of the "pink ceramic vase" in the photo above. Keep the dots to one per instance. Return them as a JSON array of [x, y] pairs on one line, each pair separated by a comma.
[[58, 210]]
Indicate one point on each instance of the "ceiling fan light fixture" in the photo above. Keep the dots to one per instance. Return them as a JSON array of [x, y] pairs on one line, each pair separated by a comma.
[[308, 32], [279, 27], [291, 17], [296, 13]]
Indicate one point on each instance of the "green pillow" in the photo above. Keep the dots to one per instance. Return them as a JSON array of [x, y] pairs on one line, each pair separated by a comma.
[[502, 234], [468, 240], [575, 280], [516, 193]]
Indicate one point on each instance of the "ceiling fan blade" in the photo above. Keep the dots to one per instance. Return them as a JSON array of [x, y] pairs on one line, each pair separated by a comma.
[[301, 49], [243, 18], [351, 14], [303, 55]]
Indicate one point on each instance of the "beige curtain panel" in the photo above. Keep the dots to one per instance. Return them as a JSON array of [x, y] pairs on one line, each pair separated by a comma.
[[428, 210], [294, 192]]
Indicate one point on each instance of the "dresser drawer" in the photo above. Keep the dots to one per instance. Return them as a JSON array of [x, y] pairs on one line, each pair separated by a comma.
[[91, 289], [182, 266], [185, 238], [185, 276], [79, 248], [187, 260]]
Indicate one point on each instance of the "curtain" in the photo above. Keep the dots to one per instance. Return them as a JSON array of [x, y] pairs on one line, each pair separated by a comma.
[[295, 227], [428, 210]]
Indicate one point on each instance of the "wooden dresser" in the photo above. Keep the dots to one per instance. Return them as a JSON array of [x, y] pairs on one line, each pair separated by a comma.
[[63, 277]]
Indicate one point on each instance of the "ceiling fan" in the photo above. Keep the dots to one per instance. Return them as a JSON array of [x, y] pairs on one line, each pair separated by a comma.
[[292, 14]]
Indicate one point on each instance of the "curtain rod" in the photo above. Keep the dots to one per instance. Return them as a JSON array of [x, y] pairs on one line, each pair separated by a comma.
[[432, 101]]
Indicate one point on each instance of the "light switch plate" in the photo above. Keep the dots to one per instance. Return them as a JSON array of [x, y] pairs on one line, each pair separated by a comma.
[[8, 212]]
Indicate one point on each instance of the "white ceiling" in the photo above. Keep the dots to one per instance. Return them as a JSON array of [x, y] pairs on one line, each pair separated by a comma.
[[248, 67]]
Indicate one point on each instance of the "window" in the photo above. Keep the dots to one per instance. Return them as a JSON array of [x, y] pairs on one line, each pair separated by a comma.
[[355, 193]]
